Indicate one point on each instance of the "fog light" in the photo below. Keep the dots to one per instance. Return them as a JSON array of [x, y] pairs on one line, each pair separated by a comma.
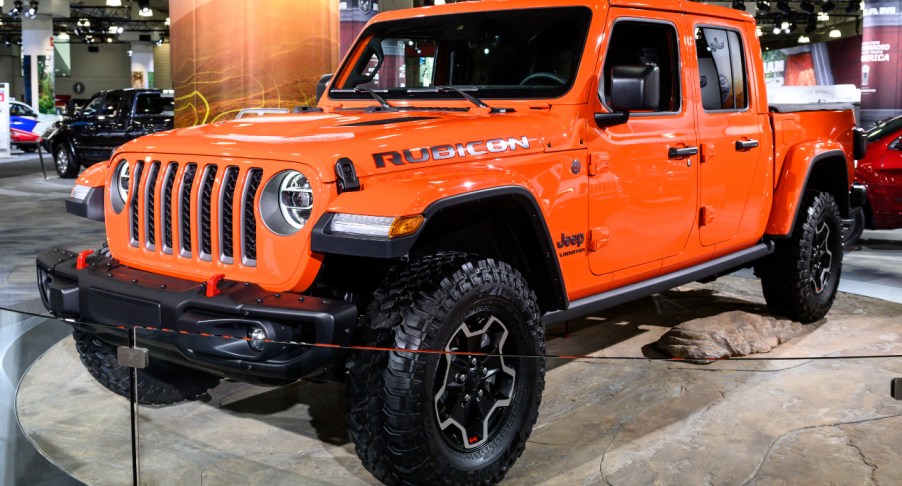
[[257, 336]]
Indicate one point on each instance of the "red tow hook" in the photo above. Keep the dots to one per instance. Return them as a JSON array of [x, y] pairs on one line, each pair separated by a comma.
[[82, 261], [213, 285]]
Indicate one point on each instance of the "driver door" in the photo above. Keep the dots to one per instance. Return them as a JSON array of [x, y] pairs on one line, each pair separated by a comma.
[[643, 184]]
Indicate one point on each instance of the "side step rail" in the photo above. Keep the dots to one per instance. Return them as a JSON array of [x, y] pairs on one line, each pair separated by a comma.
[[612, 298]]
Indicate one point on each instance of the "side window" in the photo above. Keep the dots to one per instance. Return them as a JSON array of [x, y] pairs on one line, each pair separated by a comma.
[[111, 105], [638, 43], [721, 69], [93, 106], [149, 104], [15, 109]]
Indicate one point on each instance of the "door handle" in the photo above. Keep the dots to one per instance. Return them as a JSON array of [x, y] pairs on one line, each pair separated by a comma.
[[678, 153], [746, 144]]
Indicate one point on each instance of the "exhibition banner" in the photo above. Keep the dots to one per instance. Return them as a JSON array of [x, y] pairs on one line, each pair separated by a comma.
[[249, 55], [881, 93]]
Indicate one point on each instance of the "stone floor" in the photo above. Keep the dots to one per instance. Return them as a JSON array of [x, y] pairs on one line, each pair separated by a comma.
[[819, 419]]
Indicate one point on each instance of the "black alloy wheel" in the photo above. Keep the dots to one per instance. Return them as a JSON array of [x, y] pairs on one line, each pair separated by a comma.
[[474, 390]]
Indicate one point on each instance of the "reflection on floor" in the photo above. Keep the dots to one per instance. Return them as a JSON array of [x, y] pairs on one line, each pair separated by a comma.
[[602, 420]]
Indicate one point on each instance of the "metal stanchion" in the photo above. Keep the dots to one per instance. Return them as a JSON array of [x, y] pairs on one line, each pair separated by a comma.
[[134, 358], [41, 156]]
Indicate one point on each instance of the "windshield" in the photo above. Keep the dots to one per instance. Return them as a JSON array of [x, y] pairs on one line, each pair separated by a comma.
[[885, 128], [526, 53]]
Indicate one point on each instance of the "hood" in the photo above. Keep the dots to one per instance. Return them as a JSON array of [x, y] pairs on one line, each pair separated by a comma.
[[377, 142]]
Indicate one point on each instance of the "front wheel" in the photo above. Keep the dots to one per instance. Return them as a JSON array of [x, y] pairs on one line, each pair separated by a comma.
[[461, 411], [66, 164], [161, 383], [801, 277]]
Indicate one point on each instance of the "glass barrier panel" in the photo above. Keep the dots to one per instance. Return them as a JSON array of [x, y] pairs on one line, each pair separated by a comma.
[[61, 426]]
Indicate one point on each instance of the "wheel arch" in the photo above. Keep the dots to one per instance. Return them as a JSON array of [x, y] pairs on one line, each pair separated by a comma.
[[825, 171], [503, 223]]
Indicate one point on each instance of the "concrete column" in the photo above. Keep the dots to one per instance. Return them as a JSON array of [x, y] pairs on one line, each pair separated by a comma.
[[37, 35], [142, 64]]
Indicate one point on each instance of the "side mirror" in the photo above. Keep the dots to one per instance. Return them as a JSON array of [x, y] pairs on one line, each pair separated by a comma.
[[632, 88], [321, 86]]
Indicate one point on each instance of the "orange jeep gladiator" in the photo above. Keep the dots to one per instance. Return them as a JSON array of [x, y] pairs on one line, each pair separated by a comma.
[[474, 173]]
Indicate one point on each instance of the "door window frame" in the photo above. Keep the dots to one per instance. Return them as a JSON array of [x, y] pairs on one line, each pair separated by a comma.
[[743, 61], [678, 77]]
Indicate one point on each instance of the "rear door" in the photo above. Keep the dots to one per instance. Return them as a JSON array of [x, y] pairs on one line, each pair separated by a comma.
[[643, 191], [734, 140]]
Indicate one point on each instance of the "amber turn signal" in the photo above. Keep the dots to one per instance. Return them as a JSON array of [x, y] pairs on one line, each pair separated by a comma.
[[406, 225]]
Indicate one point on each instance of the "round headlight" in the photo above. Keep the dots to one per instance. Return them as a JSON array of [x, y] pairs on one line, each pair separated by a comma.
[[287, 202], [119, 186], [122, 180]]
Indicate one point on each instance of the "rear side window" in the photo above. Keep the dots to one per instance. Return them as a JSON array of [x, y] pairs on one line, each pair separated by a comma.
[[149, 104], [721, 68], [636, 43]]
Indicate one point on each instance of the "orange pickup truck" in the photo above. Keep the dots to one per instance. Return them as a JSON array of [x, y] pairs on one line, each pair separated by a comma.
[[473, 173]]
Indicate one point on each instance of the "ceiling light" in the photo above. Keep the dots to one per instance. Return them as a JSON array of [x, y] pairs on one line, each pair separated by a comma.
[[835, 34], [776, 29], [823, 17], [32, 9], [64, 36], [763, 5], [113, 3], [804, 39], [739, 5], [114, 29], [167, 21], [145, 12], [784, 25], [758, 31]]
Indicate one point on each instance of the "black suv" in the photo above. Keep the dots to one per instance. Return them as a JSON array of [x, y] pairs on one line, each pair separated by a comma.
[[108, 120]]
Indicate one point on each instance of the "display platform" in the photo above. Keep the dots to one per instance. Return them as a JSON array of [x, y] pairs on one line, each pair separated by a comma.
[[808, 421]]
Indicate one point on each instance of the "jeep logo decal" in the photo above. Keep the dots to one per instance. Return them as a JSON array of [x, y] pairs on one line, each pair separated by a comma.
[[446, 152]]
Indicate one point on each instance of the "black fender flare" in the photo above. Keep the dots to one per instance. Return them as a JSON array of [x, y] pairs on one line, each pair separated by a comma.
[[325, 242]]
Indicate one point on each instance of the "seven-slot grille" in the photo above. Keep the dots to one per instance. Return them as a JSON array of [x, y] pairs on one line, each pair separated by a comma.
[[166, 206]]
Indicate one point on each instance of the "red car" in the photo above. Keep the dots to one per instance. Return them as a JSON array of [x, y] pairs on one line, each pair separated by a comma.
[[881, 172]]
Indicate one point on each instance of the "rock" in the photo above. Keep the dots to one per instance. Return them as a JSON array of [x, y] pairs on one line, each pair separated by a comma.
[[726, 335]]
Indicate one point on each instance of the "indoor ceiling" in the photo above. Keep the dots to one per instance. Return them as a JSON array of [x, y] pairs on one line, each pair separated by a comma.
[[94, 21], [784, 23]]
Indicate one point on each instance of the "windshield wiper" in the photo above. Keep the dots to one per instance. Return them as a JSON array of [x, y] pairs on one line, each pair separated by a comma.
[[375, 96], [472, 99]]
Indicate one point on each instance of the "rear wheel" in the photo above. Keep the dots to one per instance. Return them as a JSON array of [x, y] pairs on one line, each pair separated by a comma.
[[462, 416], [852, 229], [801, 278], [161, 383], [65, 163]]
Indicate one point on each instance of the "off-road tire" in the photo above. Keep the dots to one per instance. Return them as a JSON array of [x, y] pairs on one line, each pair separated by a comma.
[[792, 277], [393, 417], [64, 161], [161, 383]]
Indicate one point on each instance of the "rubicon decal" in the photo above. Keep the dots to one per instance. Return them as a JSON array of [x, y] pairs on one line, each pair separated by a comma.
[[451, 151]]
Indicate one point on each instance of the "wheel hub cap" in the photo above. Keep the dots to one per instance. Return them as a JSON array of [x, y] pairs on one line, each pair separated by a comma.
[[474, 389], [821, 259]]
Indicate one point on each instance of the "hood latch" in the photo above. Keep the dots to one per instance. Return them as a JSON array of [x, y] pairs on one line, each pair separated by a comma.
[[347, 176]]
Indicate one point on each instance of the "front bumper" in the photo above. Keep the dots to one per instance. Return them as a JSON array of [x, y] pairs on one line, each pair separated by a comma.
[[178, 323]]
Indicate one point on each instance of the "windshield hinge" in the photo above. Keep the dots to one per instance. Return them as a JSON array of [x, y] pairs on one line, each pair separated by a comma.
[[347, 176]]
